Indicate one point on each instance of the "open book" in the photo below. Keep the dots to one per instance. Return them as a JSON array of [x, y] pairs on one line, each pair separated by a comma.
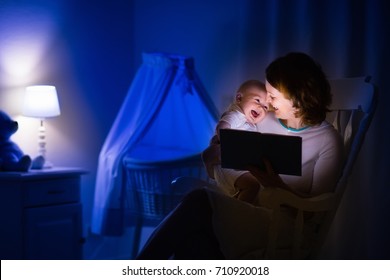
[[240, 149]]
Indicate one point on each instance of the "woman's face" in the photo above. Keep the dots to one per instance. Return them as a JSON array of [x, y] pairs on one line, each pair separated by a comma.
[[282, 106]]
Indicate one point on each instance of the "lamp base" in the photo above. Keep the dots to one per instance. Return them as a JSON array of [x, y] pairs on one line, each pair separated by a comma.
[[40, 163], [47, 165]]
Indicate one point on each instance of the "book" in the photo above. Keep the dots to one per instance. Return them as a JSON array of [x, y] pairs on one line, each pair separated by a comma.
[[240, 149]]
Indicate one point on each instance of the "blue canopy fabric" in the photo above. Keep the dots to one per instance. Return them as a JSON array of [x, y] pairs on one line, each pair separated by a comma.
[[166, 115]]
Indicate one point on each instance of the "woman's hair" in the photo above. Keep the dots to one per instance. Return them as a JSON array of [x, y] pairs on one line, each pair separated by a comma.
[[302, 80]]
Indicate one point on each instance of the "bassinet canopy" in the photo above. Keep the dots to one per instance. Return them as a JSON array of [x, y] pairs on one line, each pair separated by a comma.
[[166, 115]]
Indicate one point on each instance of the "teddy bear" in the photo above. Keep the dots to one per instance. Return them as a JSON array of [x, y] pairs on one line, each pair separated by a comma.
[[11, 156]]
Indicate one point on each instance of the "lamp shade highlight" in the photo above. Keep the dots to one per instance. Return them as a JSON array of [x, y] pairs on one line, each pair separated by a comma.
[[41, 102]]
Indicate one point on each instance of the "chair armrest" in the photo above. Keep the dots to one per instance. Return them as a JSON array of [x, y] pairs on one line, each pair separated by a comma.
[[275, 197]]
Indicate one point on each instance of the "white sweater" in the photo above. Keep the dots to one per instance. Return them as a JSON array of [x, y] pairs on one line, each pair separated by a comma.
[[322, 155]]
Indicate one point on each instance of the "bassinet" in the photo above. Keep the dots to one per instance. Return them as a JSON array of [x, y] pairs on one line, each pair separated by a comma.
[[164, 123], [148, 185]]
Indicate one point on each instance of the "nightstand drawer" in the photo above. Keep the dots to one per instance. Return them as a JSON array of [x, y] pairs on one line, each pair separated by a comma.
[[51, 191], [41, 214]]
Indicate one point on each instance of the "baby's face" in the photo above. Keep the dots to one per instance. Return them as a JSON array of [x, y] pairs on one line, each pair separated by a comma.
[[253, 104]]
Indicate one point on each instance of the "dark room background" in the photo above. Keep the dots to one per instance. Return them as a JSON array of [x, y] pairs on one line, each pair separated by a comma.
[[91, 51]]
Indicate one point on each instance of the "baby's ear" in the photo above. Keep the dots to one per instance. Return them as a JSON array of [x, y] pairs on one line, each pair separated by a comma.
[[238, 97]]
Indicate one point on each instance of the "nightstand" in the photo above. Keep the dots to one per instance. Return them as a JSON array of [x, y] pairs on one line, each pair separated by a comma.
[[41, 214]]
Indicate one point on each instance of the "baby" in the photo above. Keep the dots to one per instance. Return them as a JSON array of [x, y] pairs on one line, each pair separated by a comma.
[[248, 108]]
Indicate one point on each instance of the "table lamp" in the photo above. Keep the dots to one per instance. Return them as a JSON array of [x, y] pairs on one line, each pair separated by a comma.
[[41, 102]]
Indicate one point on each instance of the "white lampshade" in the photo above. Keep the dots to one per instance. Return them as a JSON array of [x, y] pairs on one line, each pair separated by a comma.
[[41, 102]]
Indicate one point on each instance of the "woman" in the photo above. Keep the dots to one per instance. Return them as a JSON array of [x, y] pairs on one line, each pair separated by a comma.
[[210, 225]]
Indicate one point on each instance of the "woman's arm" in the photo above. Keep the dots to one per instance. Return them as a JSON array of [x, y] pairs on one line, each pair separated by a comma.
[[211, 156], [328, 166]]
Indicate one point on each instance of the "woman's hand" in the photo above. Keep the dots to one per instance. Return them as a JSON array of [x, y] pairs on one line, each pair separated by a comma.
[[268, 178]]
